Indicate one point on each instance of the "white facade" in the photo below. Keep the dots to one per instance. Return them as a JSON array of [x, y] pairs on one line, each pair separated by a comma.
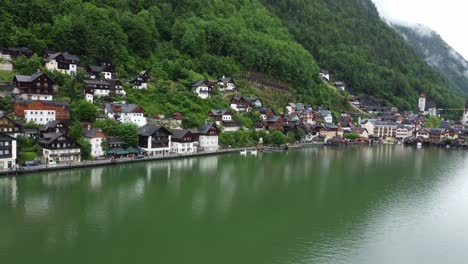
[[6, 163], [96, 147], [53, 66], [138, 119], [202, 91], [369, 126], [422, 134], [328, 119], [184, 147], [143, 85], [228, 87], [465, 118], [107, 75], [422, 103], [36, 97], [40, 117], [402, 133], [432, 111], [55, 156], [89, 98], [325, 76], [158, 151], [209, 143]]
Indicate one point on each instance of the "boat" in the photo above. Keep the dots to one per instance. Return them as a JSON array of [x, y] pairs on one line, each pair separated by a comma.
[[419, 144]]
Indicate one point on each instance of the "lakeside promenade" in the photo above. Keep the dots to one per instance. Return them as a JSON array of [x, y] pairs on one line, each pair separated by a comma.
[[95, 163]]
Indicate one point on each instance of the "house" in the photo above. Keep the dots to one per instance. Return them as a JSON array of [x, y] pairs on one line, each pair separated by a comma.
[[9, 126], [326, 116], [202, 88], [126, 113], [422, 133], [54, 126], [403, 132], [385, 129], [265, 112], [62, 62], [346, 122], [226, 84], [15, 52], [58, 148], [115, 143], [184, 142], [8, 154], [273, 123], [221, 115], [254, 101], [41, 112], [208, 137], [95, 137], [241, 104], [105, 70], [330, 131], [324, 74], [368, 124], [155, 140], [141, 81], [38, 86], [297, 108], [422, 103], [362, 132], [438, 134], [340, 86], [101, 88]]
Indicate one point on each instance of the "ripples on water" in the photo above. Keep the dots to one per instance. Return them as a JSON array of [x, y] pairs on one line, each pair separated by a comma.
[[317, 205]]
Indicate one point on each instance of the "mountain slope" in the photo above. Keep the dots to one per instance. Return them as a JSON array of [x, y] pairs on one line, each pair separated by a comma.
[[349, 39], [437, 53], [184, 40]]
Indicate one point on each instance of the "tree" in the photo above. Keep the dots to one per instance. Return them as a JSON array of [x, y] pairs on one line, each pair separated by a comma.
[[277, 138], [6, 104], [84, 111], [351, 136], [129, 133], [300, 134], [433, 122], [85, 148], [27, 66]]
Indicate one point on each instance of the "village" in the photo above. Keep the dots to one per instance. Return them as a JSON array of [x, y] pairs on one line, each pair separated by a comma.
[[39, 117]]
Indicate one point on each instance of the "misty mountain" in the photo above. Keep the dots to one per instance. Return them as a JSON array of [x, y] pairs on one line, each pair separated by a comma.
[[437, 53]]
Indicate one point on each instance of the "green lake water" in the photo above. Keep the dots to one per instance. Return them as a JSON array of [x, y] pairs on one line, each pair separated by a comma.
[[363, 205]]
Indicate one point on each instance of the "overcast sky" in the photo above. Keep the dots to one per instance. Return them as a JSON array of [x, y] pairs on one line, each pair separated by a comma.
[[448, 17]]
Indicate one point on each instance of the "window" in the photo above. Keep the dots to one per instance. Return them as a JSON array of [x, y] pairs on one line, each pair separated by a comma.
[[7, 152], [7, 143]]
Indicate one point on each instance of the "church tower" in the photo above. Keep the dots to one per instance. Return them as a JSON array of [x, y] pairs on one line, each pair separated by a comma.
[[422, 102], [465, 115]]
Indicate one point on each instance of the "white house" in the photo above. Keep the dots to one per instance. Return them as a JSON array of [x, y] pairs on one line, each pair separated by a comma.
[[89, 98], [59, 148], [63, 62], [100, 88], [105, 69], [155, 140], [208, 137], [326, 115], [340, 86], [8, 153], [40, 117], [422, 102], [369, 125], [226, 84], [141, 81], [126, 113], [183, 142], [403, 132], [95, 137], [202, 88], [325, 75]]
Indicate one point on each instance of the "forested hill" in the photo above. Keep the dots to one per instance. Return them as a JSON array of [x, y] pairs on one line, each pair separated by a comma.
[[437, 53], [183, 40], [348, 38]]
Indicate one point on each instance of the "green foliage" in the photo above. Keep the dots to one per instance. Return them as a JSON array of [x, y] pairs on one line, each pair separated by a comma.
[[27, 149], [349, 39], [237, 139], [6, 76], [299, 134], [351, 136], [84, 111], [31, 125], [85, 148], [127, 131], [433, 122], [6, 104], [27, 66], [277, 138]]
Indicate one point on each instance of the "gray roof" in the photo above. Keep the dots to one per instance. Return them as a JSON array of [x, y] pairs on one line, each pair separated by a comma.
[[148, 130], [66, 55], [180, 133], [64, 104], [198, 83], [124, 108], [91, 132], [324, 113], [273, 118], [115, 140], [218, 112], [48, 125], [204, 128], [28, 78]]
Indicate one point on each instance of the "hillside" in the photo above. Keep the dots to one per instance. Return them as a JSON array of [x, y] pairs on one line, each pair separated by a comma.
[[438, 54], [349, 39], [182, 41]]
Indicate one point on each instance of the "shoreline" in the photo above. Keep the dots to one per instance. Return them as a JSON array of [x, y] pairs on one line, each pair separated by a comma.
[[108, 162]]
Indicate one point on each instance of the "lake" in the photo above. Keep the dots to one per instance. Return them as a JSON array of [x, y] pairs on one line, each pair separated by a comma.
[[384, 204]]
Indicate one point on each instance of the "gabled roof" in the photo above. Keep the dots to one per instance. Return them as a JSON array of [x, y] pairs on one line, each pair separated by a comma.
[[180, 134], [205, 128], [273, 119], [4, 136], [29, 78], [67, 56], [148, 130], [48, 138], [219, 112], [63, 104], [226, 80], [92, 132], [49, 125], [121, 108]]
